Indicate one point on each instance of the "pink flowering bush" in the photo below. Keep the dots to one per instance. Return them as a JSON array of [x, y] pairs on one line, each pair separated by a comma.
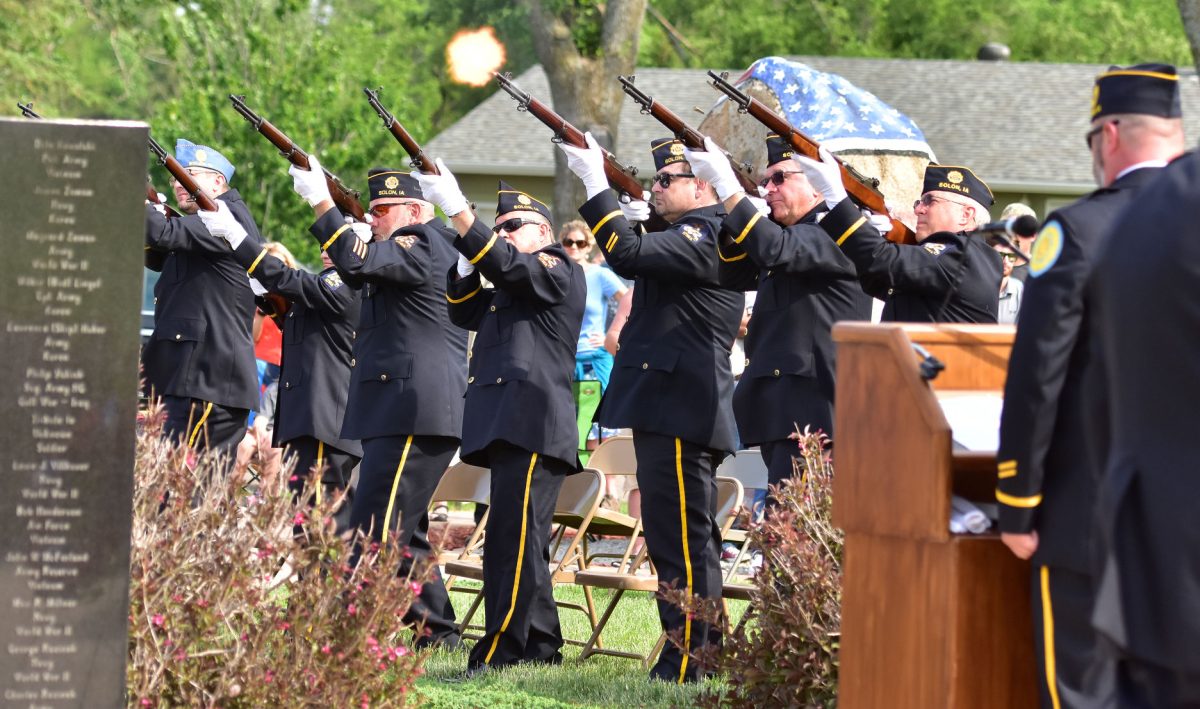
[[214, 622]]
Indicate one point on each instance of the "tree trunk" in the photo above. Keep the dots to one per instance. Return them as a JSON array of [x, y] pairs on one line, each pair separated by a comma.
[[1189, 12], [584, 90]]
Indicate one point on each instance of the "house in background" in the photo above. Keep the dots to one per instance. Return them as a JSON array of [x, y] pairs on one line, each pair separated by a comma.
[[1019, 126]]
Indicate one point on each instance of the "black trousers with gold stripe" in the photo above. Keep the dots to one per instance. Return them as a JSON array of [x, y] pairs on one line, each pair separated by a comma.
[[203, 424], [1071, 672], [518, 599], [679, 502], [336, 467], [396, 481]]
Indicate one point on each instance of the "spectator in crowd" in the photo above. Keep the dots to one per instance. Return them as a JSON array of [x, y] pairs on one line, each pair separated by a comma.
[[1011, 289], [1011, 211]]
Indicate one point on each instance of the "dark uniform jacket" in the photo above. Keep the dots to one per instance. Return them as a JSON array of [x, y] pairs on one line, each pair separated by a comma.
[[1143, 310], [314, 378], [948, 277], [405, 378], [1047, 477], [523, 359], [672, 374], [805, 284], [203, 312]]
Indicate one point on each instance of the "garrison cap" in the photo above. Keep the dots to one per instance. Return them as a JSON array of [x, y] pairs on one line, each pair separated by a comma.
[[778, 149], [509, 199], [191, 155], [1148, 89], [385, 182], [957, 180], [666, 151]]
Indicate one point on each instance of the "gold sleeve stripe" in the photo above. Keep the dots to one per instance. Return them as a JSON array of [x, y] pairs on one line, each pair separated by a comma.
[[1007, 469], [486, 248], [602, 222], [257, 261], [749, 225], [1151, 74], [465, 297], [612, 241], [853, 228], [336, 234], [739, 257], [1013, 501], [1012, 473]]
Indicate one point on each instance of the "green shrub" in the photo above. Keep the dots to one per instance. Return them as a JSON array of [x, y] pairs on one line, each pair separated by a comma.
[[208, 628]]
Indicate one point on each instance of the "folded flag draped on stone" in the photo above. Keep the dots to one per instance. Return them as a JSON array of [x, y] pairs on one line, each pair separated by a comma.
[[834, 112]]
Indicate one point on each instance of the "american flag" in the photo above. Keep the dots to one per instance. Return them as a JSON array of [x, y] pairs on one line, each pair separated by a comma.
[[834, 112]]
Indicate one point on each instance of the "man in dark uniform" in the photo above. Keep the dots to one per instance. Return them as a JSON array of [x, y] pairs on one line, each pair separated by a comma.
[[805, 284], [1147, 326], [520, 412], [407, 381], [317, 314], [1047, 478], [671, 382], [200, 359], [948, 276]]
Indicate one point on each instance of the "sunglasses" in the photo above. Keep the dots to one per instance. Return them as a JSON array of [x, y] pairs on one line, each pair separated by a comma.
[[777, 178], [1009, 258], [664, 179], [578, 243], [1096, 131], [380, 210], [511, 225], [927, 200]]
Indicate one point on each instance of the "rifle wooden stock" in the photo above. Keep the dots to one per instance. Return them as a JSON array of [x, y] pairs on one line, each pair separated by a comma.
[[619, 177], [863, 194], [691, 137], [417, 156], [182, 176], [345, 198]]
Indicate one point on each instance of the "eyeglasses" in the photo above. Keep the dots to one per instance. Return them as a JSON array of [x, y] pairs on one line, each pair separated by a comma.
[[777, 178], [511, 225], [664, 178], [380, 210], [1095, 131], [1009, 258], [578, 243], [927, 200]]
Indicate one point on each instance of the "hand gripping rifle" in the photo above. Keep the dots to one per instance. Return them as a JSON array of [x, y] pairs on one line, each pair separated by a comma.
[[621, 178], [417, 156], [690, 136], [151, 192], [345, 198], [862, 190]]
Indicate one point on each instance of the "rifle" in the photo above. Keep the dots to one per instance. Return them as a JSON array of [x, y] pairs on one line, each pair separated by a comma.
[[345, 198], [862, 190], [621, 178], [151, 192], [690, 136], [419, 159]]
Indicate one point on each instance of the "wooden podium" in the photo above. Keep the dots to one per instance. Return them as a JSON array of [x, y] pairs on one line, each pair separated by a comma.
[[929, 619]]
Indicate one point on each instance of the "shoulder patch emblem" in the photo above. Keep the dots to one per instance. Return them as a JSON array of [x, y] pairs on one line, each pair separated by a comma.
[[691, 232], [332, 280], [406, 241], [548, 261], [934, 248], [1046, 248]]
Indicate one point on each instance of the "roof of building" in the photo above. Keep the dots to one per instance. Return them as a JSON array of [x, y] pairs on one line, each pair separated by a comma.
[[1020, 126]]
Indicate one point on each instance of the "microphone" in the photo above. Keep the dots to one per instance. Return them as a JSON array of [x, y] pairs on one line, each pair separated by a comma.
[[1025, 225]]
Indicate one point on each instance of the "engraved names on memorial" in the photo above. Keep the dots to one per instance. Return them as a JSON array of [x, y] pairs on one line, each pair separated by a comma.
[[72, 224]]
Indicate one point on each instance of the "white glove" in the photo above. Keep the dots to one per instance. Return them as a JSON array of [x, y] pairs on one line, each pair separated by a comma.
[[162, 198], [222, 223], [825, 176], [442, 190], [588, 164], [760, 204], [713, 167], [310, 184], [362, 231], [635, 210], [881, 222], [160, 208], [257, 287], [465, 267]]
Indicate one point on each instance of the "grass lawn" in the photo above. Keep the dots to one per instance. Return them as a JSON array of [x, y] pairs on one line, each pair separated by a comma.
[[599, 681]]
